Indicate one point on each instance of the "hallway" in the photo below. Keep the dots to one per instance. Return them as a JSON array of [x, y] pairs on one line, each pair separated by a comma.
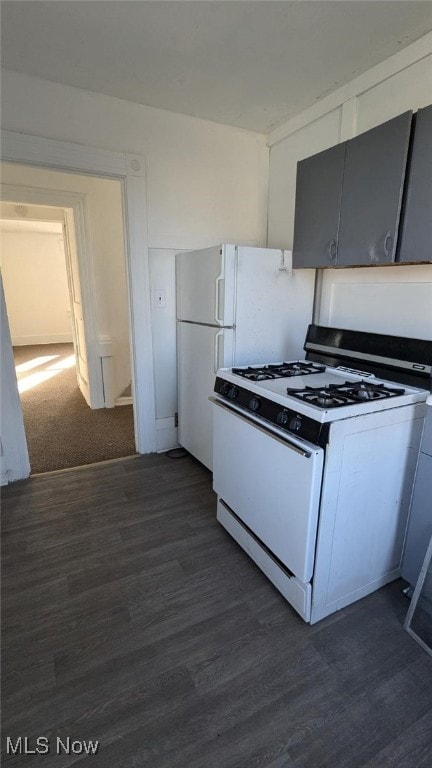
[[62, 431]]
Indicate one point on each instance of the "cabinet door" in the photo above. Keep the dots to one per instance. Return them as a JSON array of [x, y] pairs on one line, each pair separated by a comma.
[[375, 163], [318, 199], [416, 237]]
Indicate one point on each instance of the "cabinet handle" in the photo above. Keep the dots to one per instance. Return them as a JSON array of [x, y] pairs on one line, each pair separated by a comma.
[[388, 242], [332, 250]]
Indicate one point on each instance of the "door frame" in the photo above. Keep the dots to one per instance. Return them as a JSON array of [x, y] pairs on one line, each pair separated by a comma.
[[14, 458], [130, 170], [79, 206]]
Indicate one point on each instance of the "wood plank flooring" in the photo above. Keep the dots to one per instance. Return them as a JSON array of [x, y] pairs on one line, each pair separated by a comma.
[[130, 617]]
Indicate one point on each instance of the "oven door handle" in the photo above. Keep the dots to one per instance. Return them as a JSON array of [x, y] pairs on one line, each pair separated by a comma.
[[258, 425]]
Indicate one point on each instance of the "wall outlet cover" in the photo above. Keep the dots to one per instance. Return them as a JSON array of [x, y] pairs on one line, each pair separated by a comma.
[[159, 298]]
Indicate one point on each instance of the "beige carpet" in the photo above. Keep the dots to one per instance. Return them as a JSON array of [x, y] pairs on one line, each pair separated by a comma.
[[62, 431]]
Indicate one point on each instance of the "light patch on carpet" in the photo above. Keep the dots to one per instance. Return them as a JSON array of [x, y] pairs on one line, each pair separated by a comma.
[[23, 367], [68, 362], [62, 431], [40, 376]]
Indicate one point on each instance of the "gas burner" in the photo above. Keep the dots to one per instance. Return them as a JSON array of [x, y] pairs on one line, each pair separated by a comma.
[[348, 393], [255, 374], [366, 390], [302, 368], [278, 370], [322, 397]]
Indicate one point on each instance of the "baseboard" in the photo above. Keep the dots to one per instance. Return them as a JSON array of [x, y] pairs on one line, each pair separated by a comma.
[[48, 338], [123, 401], [93, 465]]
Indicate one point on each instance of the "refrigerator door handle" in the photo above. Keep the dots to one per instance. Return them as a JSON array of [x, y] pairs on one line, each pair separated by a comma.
[[218, 336], [219, 280]]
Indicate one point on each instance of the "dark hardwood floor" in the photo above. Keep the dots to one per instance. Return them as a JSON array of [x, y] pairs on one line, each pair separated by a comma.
[[130, 617]]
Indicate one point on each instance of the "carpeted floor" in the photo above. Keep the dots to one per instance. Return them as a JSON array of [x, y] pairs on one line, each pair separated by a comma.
[[62, 431]]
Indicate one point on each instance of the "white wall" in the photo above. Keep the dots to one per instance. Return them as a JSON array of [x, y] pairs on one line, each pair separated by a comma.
[[35, 282], [162, 276], [104, 202], [394, 299], [206, 183]]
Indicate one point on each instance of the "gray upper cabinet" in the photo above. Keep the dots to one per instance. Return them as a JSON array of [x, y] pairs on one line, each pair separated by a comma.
[[318, 200], [374, 175], [349, 198], [416, 235]]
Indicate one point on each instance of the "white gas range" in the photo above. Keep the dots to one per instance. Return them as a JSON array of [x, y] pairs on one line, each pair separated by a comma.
[[314, 463]]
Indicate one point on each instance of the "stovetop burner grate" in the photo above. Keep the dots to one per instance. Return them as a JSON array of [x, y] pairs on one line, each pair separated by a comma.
[[278, 370], [348, 393]]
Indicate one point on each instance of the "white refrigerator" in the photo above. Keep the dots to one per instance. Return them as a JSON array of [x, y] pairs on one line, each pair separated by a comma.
[[236, 305]]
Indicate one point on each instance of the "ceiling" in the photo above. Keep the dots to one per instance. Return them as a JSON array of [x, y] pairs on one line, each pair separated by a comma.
[[245, 63]]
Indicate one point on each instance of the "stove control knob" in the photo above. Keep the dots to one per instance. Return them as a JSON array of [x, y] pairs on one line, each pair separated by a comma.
[[255, 404], [282, 418], [225, 388], [233, 393], [295, 423]]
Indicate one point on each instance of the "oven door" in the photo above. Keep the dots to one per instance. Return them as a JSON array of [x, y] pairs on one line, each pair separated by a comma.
[[272, 482]]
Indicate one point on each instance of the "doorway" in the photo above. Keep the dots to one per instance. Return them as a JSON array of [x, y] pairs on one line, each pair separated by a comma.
[[50, 345], [38, 151]]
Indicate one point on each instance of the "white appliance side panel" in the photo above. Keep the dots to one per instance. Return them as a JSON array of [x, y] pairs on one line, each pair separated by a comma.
[[273, 307], [205, 285], [270, 486], [201, 349], [368, 478]]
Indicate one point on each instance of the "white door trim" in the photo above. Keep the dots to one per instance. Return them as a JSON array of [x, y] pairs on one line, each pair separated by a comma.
[[130, 169], [14, 458], [79, 205]]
